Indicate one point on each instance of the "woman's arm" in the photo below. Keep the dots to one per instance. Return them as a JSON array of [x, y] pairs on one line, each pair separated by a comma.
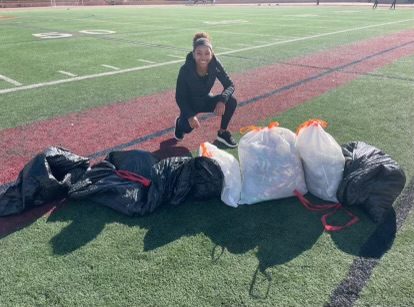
[[228, 86], [182, 96]]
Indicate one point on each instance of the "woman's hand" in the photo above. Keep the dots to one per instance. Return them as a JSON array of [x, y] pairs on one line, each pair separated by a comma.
[[220, 108], [194, 123]]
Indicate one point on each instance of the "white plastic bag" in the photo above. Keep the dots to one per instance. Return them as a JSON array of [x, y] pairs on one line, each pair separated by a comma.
[[270, 165], [322, 158], [230, 194]]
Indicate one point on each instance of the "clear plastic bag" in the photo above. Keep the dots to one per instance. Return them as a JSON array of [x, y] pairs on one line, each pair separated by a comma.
[[270, 164], [322, 159]]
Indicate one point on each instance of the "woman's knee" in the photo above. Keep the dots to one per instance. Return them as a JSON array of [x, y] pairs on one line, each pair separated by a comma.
[[231, 103]]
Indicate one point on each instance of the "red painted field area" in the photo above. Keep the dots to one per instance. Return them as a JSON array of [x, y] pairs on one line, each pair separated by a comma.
[[283, 86]]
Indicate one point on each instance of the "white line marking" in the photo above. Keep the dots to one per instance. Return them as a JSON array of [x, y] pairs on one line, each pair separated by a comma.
[[67, 73], [225, 48], [109, 73], [313, 36], [243, 45], [111, 67], [225, 22], [260, 42], [347, 11], [146, 61], [14, 82], [37, 85], [97, 32], [175, 56], [241, 33], [303, 15]]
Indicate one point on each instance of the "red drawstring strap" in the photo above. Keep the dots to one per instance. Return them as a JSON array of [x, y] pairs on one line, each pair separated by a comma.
[[336, 207], [133, 177], [354, 220], [308, 205]]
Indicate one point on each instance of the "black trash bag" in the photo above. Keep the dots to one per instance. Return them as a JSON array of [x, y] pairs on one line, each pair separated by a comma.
[[173, 179], [136, 161], [371, 179], [102, 184], [45, 178], [95, 173], [208, 179], [171, 182]]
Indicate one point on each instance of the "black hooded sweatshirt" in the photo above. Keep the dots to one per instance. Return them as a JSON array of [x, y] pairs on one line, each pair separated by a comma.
[[192, 90]]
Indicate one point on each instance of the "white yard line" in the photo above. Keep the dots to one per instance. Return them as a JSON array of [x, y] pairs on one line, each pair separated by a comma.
[[14, 82], [93, 76], [240, 33], [260, 42], [175, 56], [224, 48], [146, 61], [67, 73], [243, 45], [313, 36], [87, 77], [110, 66]]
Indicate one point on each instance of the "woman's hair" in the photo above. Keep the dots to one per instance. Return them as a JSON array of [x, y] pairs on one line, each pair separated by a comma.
[[202, 39], [201, 35]]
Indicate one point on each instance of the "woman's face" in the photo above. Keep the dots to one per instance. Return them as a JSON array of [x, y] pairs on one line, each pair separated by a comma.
[[202, 56]]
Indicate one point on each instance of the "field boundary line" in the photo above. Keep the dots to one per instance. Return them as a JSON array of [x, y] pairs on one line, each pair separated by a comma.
[[132, 69]]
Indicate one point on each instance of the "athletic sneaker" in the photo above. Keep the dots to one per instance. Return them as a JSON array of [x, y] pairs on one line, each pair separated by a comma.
[[178, 135], [226, 138]]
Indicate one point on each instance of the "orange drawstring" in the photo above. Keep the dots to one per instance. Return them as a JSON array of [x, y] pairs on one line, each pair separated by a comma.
[[312, 122], [247, 129], [205, 152]]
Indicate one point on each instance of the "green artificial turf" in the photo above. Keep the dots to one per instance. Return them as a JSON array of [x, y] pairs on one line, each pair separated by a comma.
[[203, 253]]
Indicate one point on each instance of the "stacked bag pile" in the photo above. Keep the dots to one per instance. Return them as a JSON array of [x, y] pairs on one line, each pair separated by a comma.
[[274, 163]]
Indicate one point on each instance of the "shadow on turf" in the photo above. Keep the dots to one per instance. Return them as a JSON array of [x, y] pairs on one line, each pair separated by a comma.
[[170, 148], [278, 231], [10, 224]]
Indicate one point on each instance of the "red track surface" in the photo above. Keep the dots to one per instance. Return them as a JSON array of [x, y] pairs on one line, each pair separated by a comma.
[[109, 126]]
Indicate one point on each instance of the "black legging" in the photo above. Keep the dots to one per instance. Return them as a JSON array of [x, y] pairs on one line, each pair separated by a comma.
[[208, 106]]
